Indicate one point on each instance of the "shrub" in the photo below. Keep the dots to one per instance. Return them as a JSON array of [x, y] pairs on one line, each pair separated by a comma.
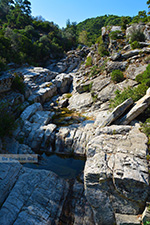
[[2, 64], [87, 88], [114, 35], [144, 78], [102, 51], [134, 93], [18, 84], [135, 44], [89, 61], [7, 120], [136, 35], [117, 76]]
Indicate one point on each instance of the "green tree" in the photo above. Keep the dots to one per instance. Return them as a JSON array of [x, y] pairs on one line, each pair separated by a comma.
[[83, 37]]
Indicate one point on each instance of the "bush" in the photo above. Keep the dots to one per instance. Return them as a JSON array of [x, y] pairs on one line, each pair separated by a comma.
[[117, 76], [7, 121], [89, 61], [102, 51], [18, 84], [3, 65], [114, 35], [134, 93], [144, 78], [136, 35], [135, 45]]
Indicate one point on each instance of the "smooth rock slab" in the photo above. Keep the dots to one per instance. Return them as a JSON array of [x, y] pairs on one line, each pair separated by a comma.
[[122, 219], [30, 110], [116, 172], [37, 196]]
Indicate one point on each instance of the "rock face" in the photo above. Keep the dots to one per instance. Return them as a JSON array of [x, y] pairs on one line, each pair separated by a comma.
[[142, 27], [36, 197], [5, 82], [116, 175]]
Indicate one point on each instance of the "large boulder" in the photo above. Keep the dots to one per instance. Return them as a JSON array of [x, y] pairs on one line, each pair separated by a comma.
[[30, 196], [5, 82], [116, 173]]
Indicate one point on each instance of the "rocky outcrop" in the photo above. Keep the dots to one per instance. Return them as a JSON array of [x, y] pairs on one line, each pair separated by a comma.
[[138, 108], [5, 82], [145, 28], [116, 173], [37, 196]]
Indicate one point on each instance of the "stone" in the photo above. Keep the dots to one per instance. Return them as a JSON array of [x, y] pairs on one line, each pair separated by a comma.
[[116, 172], [122, 219], [116, 56], [46, 92], [63, 82], [116, 66], [138, 108], [5, 82], [133, 70], [35, 196], [80, 101], [117, 112], [30, 110], [131, 53], [41, 117], [146, 214]]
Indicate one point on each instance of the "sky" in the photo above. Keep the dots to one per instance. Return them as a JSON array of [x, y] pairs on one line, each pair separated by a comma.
[[59, 11]]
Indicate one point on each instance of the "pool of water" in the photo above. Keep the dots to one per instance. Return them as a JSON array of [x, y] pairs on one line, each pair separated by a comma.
[[65, 167]]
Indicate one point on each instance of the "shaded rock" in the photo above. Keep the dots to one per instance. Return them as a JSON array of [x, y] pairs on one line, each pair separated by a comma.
[[116, 172], [5, 82], [138, 108], [122, 219], [146, 214], [107, 92], [30, 110], [117, 112], [116, 56], [133, 70], [84, 87], [116, 66], [36, 196], [63, 82]]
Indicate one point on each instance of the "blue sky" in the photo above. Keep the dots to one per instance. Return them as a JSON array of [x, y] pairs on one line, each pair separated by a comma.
[[59, 11]]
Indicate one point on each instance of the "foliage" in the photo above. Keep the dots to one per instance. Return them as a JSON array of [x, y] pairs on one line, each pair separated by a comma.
[[18, 84], [87, 88], [146, 127], [88, 61], [101, 47], [135, 44], [144, 78], [83, 37], [114, 35], [94, 71], [7, 120], [136, 35], [117, 76], [134, 93], [3, 65]]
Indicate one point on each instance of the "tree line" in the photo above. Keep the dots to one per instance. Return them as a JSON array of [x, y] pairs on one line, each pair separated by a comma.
[[25, 39]]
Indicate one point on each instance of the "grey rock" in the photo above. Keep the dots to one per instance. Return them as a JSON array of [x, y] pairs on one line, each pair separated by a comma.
[[133, 70], [80, 101], [5, 82], [138, 108], [116, 66], [63, 82], [116, 56], [117, 112], [30, 110], [146, 214], [37, 197], [122, 219], [116, 172]]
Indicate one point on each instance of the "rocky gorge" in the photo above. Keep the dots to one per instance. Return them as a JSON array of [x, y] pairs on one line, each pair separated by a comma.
[[65, 111]]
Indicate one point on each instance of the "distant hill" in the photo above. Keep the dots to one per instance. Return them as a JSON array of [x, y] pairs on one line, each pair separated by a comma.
[[93, 26]]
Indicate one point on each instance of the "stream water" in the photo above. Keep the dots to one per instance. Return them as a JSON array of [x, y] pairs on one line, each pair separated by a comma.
[[63, 166]]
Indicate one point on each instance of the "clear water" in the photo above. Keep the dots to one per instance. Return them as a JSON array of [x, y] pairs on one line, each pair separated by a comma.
[[65, 167]]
